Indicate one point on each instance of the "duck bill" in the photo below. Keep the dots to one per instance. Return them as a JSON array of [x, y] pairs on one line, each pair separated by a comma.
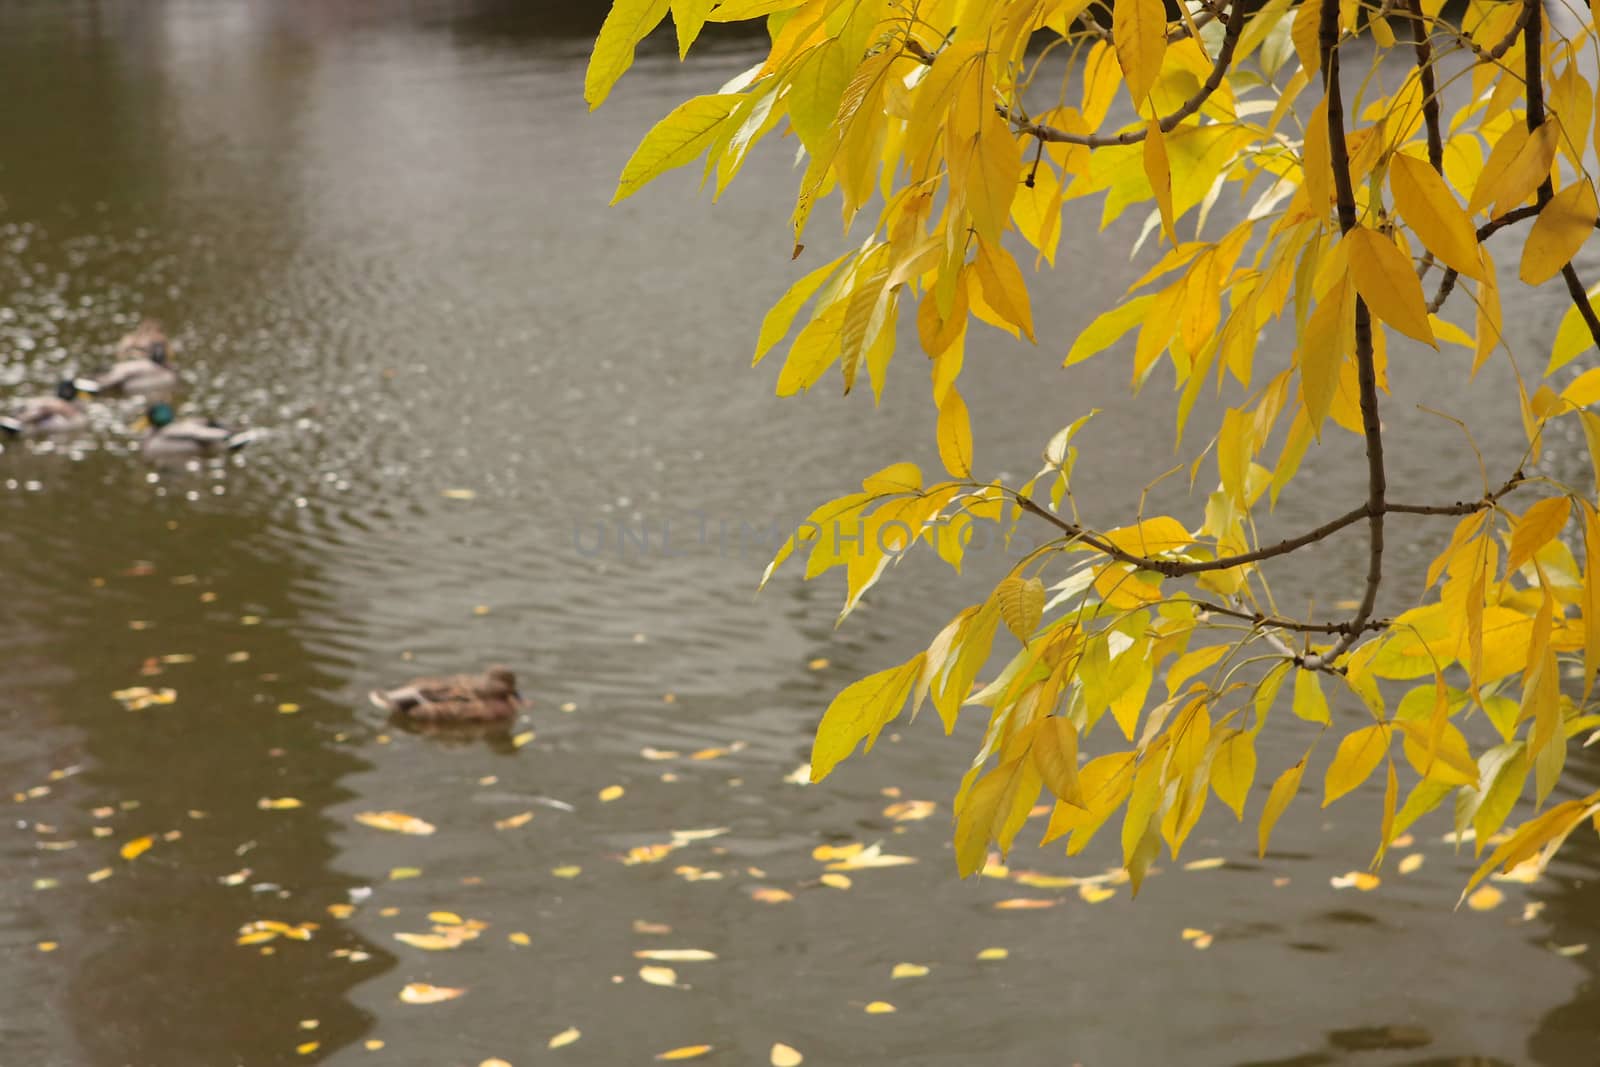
[[142, 424]]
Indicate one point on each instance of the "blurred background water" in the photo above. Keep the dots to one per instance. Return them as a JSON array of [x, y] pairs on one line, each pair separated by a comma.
[[504, 422]]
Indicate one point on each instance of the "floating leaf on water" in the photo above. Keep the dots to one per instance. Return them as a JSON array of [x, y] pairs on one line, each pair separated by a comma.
[[445, 918], [710, 753], [511, 822], [836, 881], [818, 664], [831, 853], [397, 874], [569, 707], [994, 867], [424, 993], [687, 1052], [908, 970], [767, 895], [278, 803], [994, 954], [1403, 841], [647, 854], [237, 657], [1486, 898], [459, 494], [801, 775], [177, 657], [46, 883], [674, 955], [659, 975], [642, 926], [909, 810], [480, 609], [695, 874], [372, 1044], [99, 876], [256, 937], [341, 911], [517, 937], [610, 793], [785, 1056], [308, 1048], [1362, 880], [288, 707], [395, 821], [658, 753], [1203, 942], [1570, 950], [569, 871], [430, 942], [879, 1007], [1035, 880], [1190, 933], [1527, 872], [522, 739], [1094, 894], [1210, 863], [137, 847], [48, 946], [1411, 863], [564, 1038], [684, 837], [1024, 904]]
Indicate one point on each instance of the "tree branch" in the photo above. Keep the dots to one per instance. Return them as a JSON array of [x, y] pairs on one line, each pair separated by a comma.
[[1219, 70], [1430, 99]]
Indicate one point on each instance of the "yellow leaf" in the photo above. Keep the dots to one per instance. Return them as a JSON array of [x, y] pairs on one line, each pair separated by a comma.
[[1486, 898], [1538, 526], [1283, 791], [687, 131], [779, 318], [687, 1052], [430, 942], [1323, 352], [1055, 754], [511, 822], [565, 1037], [990, 165], [785, 1056], [879, 1007], [1516, 167], [1361, 880], [836, 881], [1024, 904], [278, 803], [1505, 149], [858, 713], [610, 793], [994, 954], [1233, 769], [1139, 30], [137, 847], [1107, 328], [423, 993], [769, 895], [896, 478], [306, 1048], [955, 435], [1411, 864], [628, 23], [659, 975], [1095, 894], [518, 937], [675, 955], [1003, 286], [1591, 598], [1317, 154], [1427, 205], [1563, 225], [396, 821], [1157, 169], [569, 871], [688, 17], [908, 970], [1309, 703], [1359, 754], [1388, 283], [1021, 605]]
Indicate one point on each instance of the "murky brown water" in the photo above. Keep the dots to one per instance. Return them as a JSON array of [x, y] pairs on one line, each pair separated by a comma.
[[379, 232]]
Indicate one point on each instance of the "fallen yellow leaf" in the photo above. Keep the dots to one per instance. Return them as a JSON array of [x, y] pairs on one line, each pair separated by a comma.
[[522, 739], [994, 954], [396, 821], [658, 753], [674, 955], [372, 1044], [1410, 864], [908, 970], [341, 911], [818, 664], [610, 793], [569, 871], [308, 1047], [494, 1061], [1035, 880], [459, 494], [137, 847], [564, 1038], [771, 896], [831, 853], [658, 975], [397, 874], [785, 1056], [517, 937], [1094, 894], [836, 881], [1570, 951], [1361, 880], [101, 875], [644, 926], [423, 993], [288, 707], [687, 1052], [879, 1007], [277, 803], [48, 946], [1526, 872], [1024, 904], [909, 810], [430, 942], [1210, 863], [1486, 898]]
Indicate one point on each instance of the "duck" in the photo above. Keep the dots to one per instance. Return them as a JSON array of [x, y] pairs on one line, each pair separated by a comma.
[[57, 413], [490, 697], [168, 435], [143, 365]]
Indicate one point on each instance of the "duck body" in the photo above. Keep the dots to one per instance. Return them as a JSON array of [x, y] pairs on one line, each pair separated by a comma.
[[173, 437], [490, 697], [58, 413], [143, 365]]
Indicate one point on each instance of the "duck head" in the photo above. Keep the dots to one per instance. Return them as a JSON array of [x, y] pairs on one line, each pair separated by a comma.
[[66, 389]]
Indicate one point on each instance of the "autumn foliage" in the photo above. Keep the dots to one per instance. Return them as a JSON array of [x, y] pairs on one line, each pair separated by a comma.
[[1145, 659]]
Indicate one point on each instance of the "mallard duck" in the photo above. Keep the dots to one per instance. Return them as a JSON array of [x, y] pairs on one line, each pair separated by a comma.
[[59, 413], [463, 698], [170, 436], [143, 365]]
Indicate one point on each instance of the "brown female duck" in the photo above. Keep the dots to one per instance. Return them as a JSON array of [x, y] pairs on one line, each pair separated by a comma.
[[143, 365], [490, 697]]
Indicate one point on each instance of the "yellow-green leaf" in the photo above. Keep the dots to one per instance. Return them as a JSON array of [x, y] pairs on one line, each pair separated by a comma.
[[627, 23], [1055, 755], [1021, 605], [1563, 225], [1388, 283], [1139, 30], [1233, 769], [1159, 171], [1309, 703], [858, 713], [781, 315], [688, 16], [1283, 791], [1427, 205], [1359, 754], [676, 140]]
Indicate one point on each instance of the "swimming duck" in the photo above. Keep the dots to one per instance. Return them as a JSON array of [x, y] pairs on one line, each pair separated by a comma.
[[143, 365], [171, 436], [462, 698], [58, 413]]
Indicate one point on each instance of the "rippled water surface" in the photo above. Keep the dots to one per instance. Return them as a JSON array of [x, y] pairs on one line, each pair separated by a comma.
[[504, 422]]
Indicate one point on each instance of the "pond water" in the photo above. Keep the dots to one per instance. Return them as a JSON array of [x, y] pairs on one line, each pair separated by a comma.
[[502, 422]]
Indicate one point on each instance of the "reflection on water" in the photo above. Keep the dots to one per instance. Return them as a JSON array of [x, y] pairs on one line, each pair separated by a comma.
[[378, 233]]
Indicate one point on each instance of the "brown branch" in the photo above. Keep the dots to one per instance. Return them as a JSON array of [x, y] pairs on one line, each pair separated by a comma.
[[1430, 99], [1280, 623], [1219, 70]]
